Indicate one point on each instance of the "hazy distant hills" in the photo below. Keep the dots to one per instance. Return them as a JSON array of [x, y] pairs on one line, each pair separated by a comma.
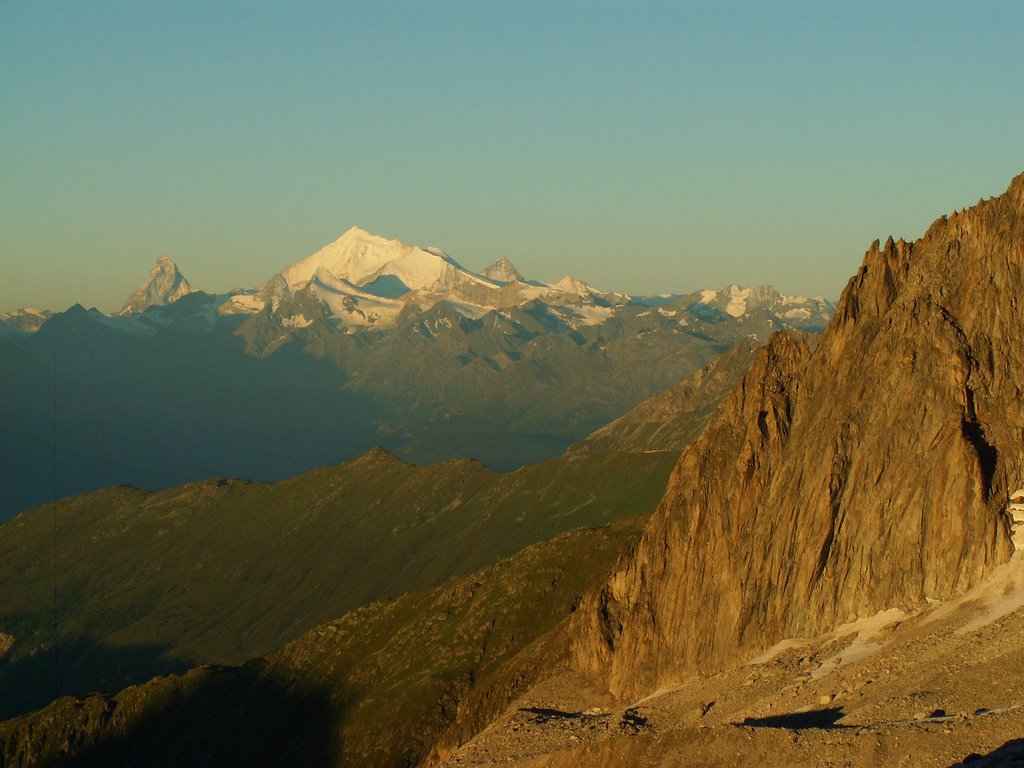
[[368, 341], [159, 399], [672, 419]]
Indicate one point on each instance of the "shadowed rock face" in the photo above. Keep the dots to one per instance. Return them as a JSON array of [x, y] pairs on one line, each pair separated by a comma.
[[871, 473]]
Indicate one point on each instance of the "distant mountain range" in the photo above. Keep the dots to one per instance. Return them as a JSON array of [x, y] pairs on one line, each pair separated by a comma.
[[366, 342], [831, 575], [26, 319], [364, 281]]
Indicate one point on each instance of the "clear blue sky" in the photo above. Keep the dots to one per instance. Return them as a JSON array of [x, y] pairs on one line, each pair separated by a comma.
[[645, 147]]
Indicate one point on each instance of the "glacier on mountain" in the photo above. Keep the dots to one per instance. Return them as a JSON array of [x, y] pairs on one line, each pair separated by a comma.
[[363, 281]]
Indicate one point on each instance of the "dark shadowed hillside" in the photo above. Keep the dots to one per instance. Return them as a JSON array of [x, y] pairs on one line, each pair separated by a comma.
[[222, 570], [376, 687]]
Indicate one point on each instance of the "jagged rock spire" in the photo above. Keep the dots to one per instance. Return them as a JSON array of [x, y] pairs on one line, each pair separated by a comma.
[[164, 285], [503, 270]]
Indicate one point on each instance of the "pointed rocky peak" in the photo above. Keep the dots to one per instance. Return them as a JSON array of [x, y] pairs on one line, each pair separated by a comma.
[[871, 474], [503, 270], [274, 290], [570, 284], [1015, 192], [376, 457], [163, 285]]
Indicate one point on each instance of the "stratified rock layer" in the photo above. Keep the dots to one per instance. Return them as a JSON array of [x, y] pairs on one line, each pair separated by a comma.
[[870, 474]]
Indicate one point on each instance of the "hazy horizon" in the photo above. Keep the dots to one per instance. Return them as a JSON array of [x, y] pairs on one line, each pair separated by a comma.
[[646, 149]]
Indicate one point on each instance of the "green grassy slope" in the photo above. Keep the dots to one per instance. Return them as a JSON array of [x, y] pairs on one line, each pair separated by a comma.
[[222, 570], [374, 688]]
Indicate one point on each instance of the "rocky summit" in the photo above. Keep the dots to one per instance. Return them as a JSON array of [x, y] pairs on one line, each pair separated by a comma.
[[163, 285], [872, 473]]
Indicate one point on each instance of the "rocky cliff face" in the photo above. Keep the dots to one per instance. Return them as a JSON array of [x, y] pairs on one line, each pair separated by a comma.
[[871, 473]]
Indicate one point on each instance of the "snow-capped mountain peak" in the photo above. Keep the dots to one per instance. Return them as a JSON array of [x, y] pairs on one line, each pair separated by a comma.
[[362, 259], [367, 281]]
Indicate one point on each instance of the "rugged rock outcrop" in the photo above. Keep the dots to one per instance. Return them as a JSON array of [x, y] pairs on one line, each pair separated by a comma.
[[503, 270], [871, 473], [163, 285]]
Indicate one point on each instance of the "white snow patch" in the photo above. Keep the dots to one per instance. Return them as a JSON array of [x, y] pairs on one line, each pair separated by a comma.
[[242, 304], [352, 305], [801, 314], [707, 296], [775, 650], [529, 292], [590, 315], [737, 306], [862, 647], [864, 630], [466, 309], [298, 321], [999, 595]]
